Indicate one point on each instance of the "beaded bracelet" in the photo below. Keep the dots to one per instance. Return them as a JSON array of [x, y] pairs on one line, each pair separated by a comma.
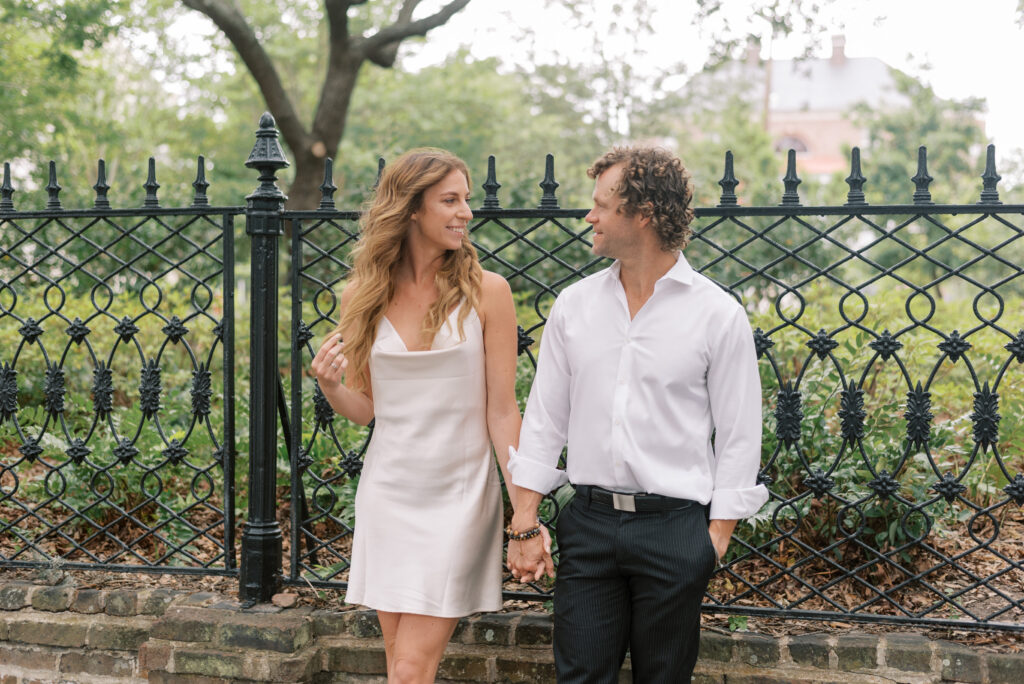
[[524, 535]]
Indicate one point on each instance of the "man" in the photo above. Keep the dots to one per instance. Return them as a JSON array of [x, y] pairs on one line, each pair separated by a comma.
[[647, 371]]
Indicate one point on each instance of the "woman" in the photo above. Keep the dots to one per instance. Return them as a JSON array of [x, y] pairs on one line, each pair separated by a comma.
[[429, 352]]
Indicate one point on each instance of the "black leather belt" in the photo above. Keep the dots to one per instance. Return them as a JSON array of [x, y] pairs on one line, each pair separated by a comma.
[[633, 503]]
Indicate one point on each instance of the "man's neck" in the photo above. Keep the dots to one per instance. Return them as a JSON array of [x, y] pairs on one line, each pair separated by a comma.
[[639, 274]]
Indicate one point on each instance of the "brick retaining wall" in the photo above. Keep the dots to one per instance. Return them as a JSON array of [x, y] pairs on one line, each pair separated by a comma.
[[88, 636]]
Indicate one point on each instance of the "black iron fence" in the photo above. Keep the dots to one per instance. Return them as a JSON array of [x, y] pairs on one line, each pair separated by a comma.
[[891, 348], [117, 418]]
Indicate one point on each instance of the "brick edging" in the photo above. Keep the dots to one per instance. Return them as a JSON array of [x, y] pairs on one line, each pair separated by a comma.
[[169, 636]]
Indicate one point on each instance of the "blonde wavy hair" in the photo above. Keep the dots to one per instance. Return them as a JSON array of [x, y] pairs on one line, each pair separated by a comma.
[[376, 256]]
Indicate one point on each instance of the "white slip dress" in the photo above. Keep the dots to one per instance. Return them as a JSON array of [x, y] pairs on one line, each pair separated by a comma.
[[428, 506]]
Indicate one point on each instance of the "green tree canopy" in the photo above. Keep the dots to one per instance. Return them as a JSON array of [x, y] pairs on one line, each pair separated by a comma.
[[475, 109]]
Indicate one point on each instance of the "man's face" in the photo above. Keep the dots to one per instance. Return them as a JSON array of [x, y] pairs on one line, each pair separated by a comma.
[[615, 234]]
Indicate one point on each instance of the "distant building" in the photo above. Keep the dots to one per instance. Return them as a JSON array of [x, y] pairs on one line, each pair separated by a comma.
[[809, 102], [806, 103]]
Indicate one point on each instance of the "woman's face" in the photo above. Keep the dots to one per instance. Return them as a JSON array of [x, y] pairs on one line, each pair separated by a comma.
[[444, 215]]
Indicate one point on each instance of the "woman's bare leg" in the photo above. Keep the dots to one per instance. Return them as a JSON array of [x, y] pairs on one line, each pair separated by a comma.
[[417, 644], [389, 628]]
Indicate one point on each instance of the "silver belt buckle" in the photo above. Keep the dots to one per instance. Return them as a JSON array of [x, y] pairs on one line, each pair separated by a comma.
[[623, 502]]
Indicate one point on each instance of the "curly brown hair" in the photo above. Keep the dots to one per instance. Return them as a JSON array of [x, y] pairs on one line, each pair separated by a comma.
[[654, 184]]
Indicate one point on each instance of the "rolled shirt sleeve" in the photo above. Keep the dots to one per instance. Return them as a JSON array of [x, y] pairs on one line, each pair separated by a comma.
[[545, 423], [734, 388]]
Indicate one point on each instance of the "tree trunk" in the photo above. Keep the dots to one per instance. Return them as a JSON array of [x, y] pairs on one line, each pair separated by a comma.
[[328, 130], [304, 192], [346, 55]]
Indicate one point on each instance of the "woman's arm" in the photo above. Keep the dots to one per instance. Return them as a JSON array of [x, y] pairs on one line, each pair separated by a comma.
[[503, 420], [329, 366], [498, 315]]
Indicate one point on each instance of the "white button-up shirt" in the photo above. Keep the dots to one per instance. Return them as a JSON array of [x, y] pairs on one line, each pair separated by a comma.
[[637, 400]]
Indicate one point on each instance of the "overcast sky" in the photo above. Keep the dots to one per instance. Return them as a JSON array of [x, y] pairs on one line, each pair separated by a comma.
[[962, 49]]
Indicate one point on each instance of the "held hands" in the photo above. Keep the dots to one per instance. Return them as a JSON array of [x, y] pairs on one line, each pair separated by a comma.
[[330, 363], [530, 559]]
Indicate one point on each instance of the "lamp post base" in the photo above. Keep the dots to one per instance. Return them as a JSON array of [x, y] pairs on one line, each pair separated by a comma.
[[260, 572]]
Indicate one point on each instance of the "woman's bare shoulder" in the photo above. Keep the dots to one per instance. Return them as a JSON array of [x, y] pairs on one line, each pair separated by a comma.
[[495, 296], [494, 285]]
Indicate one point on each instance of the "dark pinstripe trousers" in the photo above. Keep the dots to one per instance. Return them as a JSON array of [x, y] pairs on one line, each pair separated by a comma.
[[629, 580]]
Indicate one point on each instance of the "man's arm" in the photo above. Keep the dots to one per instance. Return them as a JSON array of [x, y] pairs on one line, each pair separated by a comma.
[[534, 466], [734, 387]]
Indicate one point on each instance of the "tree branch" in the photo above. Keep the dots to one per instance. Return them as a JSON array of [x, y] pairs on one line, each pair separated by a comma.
[[382, 47], [230, 21], [337, 20]]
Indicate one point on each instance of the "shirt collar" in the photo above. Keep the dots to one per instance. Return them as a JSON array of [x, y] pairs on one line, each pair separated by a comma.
[[681, 272]]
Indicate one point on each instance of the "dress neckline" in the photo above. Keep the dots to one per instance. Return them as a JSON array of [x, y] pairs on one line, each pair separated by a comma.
[[405, 346]]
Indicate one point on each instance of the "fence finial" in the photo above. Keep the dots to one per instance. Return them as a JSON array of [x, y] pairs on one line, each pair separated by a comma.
[[380, 172], [7, 190], [328, 188], [267, 157], [728, 183], [856, 180], [491, 186], [101, 187], [53, 188], [199, 198], [791, 197], [990, 179], [549, 184], [151, 186], [922, 179]]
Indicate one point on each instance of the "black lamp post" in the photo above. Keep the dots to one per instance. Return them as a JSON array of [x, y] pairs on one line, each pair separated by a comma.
[[261, 534]]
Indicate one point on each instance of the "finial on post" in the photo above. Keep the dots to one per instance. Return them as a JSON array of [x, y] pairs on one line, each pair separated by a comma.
[[151, 186], [856, 180], [921, 179], [328, 188], [199, 198], [548, 200], [101, 187], [790, 197], [53, 188], [990, 179], [7, 190], [491, 186], [267, 157], [728, 183]]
